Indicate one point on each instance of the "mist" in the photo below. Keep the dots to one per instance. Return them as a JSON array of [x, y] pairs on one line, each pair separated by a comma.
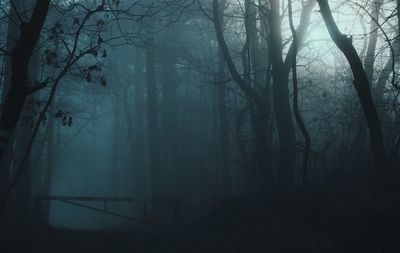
[[194, 126]]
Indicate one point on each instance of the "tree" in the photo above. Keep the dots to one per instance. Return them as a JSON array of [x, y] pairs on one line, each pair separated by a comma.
[[20, 58], [259, 113], [224, 179], [153, 118], [373, 39], [280, 75], [361, 84], [73, 48], [299, 119], [138, 132]]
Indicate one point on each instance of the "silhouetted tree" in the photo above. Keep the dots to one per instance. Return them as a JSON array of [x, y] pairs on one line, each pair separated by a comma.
[[361, 84]]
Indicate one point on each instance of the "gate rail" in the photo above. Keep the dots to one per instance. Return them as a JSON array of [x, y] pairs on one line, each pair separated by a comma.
[[74, 200]]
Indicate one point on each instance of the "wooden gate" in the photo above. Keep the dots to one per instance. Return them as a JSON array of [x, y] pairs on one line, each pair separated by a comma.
[[79, 201]]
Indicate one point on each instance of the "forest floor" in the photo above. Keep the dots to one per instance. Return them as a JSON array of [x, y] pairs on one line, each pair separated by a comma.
[[318, 223]]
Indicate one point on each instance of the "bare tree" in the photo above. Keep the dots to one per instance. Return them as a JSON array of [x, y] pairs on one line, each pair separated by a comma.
[[21, 54], [361, 84], [255, 100], [280, 75], [299, 119]]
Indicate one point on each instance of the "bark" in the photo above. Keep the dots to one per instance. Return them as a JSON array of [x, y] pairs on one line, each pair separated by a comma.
[[361, 85]]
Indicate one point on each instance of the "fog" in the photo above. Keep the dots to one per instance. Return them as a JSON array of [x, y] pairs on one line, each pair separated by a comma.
[[212, 125]]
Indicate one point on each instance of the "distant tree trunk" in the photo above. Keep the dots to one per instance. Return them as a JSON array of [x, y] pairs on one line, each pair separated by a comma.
[[139, 133], [369, 59], [48, 172], [116, 176], [135, 110], [152, 120], [361, 85], [224, 180], [169, 117], [223, 132]]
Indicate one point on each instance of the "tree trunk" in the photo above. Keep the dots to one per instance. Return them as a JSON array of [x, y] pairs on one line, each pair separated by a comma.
[[169, 117], [259, 120], [257, 47], [369, 59], [296, 110], [224, 176], [20, 59], [361, 135], [152, 120], [361, 85], [48, 173], [283, 113], [139, 133], [115, 173], [280, 75], [223, 132], [5, 136]]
